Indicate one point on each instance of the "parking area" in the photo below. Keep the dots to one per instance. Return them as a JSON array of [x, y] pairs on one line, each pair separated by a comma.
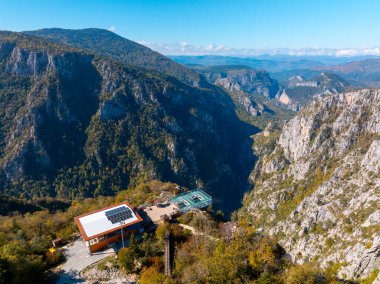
[[77, 258]]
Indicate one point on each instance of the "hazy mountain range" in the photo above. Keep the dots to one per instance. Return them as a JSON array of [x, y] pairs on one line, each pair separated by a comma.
[[270, 63], [187, 49]]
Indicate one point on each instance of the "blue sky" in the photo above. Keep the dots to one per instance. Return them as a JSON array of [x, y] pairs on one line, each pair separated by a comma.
[[233, 23]]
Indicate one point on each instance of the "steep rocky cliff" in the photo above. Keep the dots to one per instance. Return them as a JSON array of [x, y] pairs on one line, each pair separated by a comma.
[[243, 79], [316, 185], [299, 92], [75, 123], [254, 92]]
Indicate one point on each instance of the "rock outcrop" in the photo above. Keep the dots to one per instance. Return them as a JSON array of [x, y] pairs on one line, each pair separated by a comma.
[[247, 80], [246, 85], [301, 92], [317, 184]]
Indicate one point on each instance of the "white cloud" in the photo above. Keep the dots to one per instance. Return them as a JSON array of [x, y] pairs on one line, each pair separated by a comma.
[[221, 47], [210, 47], [356, 52], [184, 48], [112, 29], [183, 45]]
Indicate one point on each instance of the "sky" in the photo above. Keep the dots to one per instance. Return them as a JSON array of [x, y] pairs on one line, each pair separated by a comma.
[[213, 26]]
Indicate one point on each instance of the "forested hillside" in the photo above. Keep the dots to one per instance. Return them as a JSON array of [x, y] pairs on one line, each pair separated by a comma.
[[77, 124]]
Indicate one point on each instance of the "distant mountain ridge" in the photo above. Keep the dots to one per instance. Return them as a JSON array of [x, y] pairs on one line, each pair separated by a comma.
[[357, 71], [360, 73], [254, 92], [242, 78], [270, 63], [109, 44], [299, 92]]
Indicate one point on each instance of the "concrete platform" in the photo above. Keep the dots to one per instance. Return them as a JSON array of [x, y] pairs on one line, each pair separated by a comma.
[[155, 213]]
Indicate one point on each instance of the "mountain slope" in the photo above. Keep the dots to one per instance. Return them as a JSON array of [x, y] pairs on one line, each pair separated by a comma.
[[254, 93], [316, 185], [360, 73], [108, 44], [77, 124], [299, 92], [238, 78], [271, 63]]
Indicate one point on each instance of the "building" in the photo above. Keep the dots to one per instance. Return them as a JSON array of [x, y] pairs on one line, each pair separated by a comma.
[[103, 228], [182, 203], [161, 212], [194, 199]]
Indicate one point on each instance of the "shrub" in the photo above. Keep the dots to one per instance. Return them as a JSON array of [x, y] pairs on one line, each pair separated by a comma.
[[126, 259], [162, 231], [127, 256], [305, 274], [371, 278], [330, 242], [151, 275]]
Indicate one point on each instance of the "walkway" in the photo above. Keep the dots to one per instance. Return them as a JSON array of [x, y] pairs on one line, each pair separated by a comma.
[[196, 233]]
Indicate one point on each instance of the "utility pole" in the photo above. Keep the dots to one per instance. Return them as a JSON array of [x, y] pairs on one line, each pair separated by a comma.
[[122, 233]]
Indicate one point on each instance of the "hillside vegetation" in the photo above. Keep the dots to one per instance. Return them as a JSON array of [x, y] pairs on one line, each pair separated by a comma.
[[223, 253], [77, 124]]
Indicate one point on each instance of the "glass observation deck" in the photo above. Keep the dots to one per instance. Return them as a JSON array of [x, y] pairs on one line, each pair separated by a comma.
[[196, 198]]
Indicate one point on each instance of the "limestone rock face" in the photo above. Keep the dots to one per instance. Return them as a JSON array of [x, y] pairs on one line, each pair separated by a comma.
[[247, 80], [284, 98], [246, 85], [52, 103], [75, 122], [317, 184], [302, 92]]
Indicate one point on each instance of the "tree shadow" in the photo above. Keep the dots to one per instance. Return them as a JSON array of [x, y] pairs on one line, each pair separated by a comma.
[[65, 277]]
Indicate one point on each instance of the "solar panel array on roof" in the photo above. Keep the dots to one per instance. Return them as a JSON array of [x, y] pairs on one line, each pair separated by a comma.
[[118, 215], [99, 222]]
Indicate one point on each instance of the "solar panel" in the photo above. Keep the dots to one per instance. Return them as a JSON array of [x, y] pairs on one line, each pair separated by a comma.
[[118, 215]]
